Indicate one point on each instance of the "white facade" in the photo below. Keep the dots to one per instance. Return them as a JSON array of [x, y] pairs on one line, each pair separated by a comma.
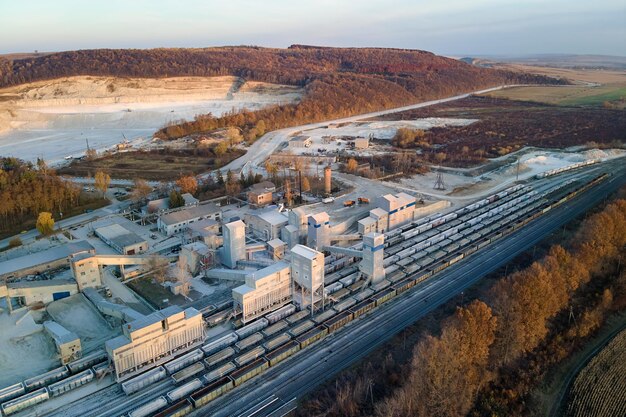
[[307, 273], [373, 254], [400, 208], [265, 290], [178, 221], [266, 225], [318, 234], [234, 243], [122, 240], [154, 339]]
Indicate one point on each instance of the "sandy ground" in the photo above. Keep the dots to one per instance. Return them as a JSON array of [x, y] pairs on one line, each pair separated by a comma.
[[55, 119], [334, 137], [77, 315], [23, 339], [461, 187]]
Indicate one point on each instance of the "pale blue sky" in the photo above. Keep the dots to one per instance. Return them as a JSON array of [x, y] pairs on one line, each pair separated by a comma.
[[443, 26]]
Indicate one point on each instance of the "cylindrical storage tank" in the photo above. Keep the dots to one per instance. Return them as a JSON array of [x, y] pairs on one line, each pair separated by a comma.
[[149, 408], [327, 180], [182, 361], [219, 344], [183, 390], [140, 382], [253, 327], [70, 383]]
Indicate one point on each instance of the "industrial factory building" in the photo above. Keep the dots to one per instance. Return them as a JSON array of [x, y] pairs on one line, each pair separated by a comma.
[[67, 342], [266, 225], [154, 339], [261, 194], [392, 211], [234, 243], [122, 240], [178, 221], [264, 291], [307, 273], [318, 234]]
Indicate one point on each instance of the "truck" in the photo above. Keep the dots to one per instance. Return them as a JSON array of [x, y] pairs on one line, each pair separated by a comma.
[[349, 203], [363, 200]]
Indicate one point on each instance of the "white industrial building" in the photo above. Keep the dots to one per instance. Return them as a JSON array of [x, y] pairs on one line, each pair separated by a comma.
[[267, 224], [307, 274], [318, 234], [178, 221], [392, 211], [264, 291], [234, 243], [276, 249], [122, 240], [67, 342], [196, 256], [147, 342], [373, 253]]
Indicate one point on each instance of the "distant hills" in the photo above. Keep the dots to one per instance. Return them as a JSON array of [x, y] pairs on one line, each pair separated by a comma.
[[610, 62]]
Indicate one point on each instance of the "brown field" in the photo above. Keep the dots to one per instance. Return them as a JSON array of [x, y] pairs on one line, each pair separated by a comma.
[[150, 165], [574, 75], [600, 388], [505, 126]]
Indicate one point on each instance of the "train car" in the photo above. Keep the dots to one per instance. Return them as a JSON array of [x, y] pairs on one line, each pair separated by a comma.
[[283, 352], [454, 258], [184, 390], [344, 305], [181, 362], [275, 328], [219, 344], [47, 378], [381, 285], [405, 261], [218, 372], [207, 394], [362, 295], [281, 313], [357, 286], [179, 409], [396, 276], [403, 285], [28, 400], [249, 356], [141, 381], [440, 266], [241, 375], [188, 372], [219, 357], [253, 327], [312, 336], [411, 268], [71, 382], [422, 276], [338, 321], [322, 317], [277, 341], [11, 392], [296, 317], [384, 296], [101, 369], [217, 318], [301, 328], [363, 307], [332, 288], [88, 361], [251, 340], [343, 293]]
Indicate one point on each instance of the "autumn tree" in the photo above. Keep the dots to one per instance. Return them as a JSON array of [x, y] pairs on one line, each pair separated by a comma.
[[306, 185], [176, 199], [187, 184], [220, 149], [102, 181], [352, 165], [271, 169], [91, 154], [158, 265], [233, 187], [45, 223], [141, 190], [233, 135]]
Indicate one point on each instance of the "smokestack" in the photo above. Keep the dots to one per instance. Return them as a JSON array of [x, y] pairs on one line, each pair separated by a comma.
[[327, 180]]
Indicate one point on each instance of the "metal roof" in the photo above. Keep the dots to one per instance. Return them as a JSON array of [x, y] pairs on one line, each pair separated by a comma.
[[305, 251], [59, 333], [189, 214], [119, 235], [44, 257], [273, 217]]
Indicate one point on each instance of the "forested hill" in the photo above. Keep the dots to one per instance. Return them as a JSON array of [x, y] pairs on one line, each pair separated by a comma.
[[338, 81]]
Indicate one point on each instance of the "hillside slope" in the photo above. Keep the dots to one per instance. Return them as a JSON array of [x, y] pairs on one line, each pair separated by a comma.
[[337, 81]]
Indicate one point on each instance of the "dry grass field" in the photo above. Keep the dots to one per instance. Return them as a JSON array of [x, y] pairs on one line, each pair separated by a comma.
[[600, 388]]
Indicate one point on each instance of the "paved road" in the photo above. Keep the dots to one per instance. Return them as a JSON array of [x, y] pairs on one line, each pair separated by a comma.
[[301, 374]]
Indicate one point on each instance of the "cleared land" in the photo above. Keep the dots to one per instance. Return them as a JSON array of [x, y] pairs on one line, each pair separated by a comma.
[[151, 165], [600, 388], [505, 126]]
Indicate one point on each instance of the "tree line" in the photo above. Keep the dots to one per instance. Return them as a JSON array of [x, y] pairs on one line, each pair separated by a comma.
[[488, 356]]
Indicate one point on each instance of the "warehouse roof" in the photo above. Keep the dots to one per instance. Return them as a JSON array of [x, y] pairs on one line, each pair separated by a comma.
[[189, 214], [119, 236], [273, 217], [190, 200], [275, 243], [44, 257]]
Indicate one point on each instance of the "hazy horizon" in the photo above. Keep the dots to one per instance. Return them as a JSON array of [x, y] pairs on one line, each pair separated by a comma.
[[453, 28]]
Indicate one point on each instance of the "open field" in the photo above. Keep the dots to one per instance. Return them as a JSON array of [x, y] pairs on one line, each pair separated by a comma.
[[575, 75], [505, 126], [150, 165], [574, 95], [600, 388]]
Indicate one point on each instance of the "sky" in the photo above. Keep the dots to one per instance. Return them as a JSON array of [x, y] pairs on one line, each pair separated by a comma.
[[447, 27]]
